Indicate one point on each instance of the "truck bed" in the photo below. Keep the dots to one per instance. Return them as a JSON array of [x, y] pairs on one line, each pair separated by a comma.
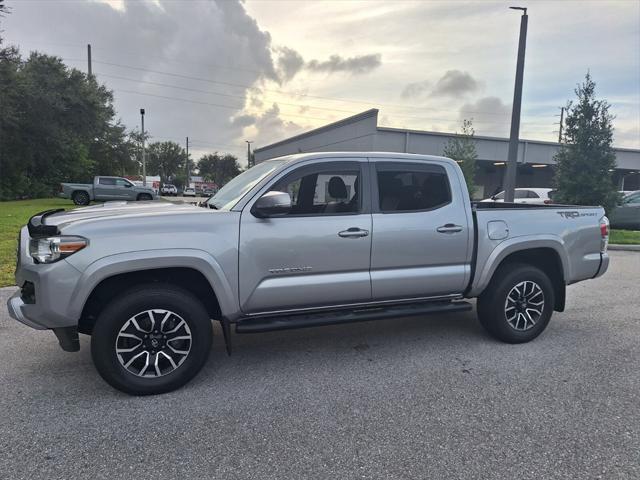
[[572, 232]]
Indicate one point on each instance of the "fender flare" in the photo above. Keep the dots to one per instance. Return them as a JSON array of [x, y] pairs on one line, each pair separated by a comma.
[[135, 261], [518, 244]]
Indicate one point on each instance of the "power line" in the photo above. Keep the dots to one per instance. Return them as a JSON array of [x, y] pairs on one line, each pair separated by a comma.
[[294, 94], [351, 112], [178, 99], [361, 102]]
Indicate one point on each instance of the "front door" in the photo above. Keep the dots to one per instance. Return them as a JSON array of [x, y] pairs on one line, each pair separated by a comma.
[[318, 254], [421, 236]]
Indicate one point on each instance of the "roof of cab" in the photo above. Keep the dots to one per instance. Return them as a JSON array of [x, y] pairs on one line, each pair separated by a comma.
[[391, 156]]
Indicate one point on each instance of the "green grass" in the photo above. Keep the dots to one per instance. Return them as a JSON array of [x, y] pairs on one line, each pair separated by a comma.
[[624, 237], [13, 215]]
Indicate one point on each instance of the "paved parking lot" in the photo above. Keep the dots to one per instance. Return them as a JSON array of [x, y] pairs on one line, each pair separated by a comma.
[[428, 398]]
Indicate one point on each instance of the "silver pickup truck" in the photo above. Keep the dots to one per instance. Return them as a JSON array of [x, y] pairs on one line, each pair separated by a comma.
[[299, 241], [104, 189]]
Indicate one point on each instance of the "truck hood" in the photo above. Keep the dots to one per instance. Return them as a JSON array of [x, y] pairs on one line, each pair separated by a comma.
[[122, 210]]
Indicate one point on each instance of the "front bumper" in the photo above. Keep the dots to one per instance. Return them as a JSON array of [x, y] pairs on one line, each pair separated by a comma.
[[52, 291], [15, 305]]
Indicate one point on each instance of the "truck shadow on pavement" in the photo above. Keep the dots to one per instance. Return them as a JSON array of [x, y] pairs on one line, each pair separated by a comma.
[[283, 355]]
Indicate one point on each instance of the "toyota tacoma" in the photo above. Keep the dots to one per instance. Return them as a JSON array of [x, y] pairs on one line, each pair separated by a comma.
[[298, 241]]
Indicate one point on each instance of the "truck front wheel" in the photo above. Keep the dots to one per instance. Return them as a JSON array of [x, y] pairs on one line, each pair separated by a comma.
[[144, 196], [518, 303], [153, 339], [80, 198]]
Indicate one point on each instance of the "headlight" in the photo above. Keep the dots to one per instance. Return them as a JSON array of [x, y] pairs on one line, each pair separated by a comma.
[[52, 249]]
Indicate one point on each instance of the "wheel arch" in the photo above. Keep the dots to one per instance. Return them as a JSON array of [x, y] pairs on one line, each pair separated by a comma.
[[106, 278], [548, 255]]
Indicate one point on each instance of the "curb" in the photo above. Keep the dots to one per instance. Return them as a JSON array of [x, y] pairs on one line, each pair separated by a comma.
[[625, 248]]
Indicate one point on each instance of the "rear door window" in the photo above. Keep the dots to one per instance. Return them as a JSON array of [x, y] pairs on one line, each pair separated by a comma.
[[411, 187]]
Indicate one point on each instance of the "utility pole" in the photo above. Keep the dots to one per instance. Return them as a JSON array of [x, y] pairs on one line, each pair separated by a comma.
[[89, 70], [188, 172], [514, 140], [144, 153], [561, 124], [249, 142]]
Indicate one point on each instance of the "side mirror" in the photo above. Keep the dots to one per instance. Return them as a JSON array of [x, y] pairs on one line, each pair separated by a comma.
[[272, 204], [128, 185], [493, 197]]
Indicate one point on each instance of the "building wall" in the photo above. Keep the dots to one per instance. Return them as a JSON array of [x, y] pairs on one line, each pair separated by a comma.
[[354, 134], [361, 133]]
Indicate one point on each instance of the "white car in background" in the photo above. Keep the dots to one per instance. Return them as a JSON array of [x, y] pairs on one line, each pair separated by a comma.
[[189, 192], [540, 196]]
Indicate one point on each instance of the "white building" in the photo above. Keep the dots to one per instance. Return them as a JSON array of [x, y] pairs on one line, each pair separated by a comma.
[[362, 133]]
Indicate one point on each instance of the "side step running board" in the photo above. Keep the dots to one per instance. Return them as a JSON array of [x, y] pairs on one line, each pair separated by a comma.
[[266, 324]]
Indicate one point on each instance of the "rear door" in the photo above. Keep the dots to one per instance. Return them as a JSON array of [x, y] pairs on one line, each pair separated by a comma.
[[421, 243], [317, 255]]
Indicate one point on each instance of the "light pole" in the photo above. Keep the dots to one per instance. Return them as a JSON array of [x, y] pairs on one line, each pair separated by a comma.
[[144, 156], [512, 158], [249, 142]]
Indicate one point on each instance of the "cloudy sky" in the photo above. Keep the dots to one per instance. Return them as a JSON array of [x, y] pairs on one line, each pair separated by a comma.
[[224, 71]]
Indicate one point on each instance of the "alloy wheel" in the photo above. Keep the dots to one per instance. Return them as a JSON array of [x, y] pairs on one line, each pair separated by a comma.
[[153, 343], [524, 305]]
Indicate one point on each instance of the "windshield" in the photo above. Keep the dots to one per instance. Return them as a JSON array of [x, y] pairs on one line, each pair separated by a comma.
[[233, 191]]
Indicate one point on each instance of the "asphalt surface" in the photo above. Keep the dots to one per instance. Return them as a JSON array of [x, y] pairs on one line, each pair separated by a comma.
[[426, 398]]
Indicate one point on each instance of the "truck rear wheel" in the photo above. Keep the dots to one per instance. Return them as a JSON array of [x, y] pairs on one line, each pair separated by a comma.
[[80, 198], [518, 303], [153, 339]]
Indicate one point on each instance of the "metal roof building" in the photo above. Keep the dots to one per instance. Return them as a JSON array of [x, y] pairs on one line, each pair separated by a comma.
[[362, 133]]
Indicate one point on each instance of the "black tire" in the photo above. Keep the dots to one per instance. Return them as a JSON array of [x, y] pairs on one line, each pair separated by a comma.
[[495, 311], [107, 332], [144, 196], [80, 198]]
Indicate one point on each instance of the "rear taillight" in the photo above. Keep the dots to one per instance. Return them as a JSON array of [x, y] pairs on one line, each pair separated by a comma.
[[548, 201], [604, 234]]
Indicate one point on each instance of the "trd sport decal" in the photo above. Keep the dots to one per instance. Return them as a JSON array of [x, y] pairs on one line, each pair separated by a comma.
[[576, 214]]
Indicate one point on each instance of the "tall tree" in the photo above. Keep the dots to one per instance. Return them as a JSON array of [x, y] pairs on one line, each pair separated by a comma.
[[586, 160], [218, 168], [114, 152], [51, 117], [166, 159], [462, 149]]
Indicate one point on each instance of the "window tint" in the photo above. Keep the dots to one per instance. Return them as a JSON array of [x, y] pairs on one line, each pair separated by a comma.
[[121, 182], [533, 194], [322, 193], [521, 194], [107, 181], [408, 190], [499, 196]]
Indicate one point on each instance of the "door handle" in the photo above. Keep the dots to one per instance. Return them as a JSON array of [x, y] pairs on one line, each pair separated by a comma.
[[353, 232], [449, 228]]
